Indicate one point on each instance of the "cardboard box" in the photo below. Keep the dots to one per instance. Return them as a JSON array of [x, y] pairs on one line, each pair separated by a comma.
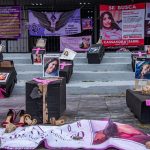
[[136, 101], [44, 101]]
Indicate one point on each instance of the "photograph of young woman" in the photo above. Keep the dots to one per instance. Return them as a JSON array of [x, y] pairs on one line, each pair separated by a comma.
[[109, 29]]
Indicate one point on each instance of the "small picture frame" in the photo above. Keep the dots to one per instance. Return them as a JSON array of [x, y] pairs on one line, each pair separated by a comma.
[[68, 54], [3, 76], [142, 68], [37, 59], [51, 65], [147, 49]]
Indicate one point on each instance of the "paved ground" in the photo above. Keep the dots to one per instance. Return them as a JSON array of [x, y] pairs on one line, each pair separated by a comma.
[[85, 107]]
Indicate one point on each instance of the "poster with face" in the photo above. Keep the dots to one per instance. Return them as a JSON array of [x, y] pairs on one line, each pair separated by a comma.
[[147, 49], [51, 66], [68, 54], [3, 76], [37, 59], [142, 68], [87, 24]]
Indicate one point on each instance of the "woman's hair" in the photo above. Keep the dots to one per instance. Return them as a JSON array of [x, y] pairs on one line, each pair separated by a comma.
[[114, 25], [51, 60]]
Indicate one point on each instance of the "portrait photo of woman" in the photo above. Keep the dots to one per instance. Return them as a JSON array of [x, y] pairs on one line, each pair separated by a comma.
[[51, 66], [85, 43], [109, 29], [147, 49], [37, 59]]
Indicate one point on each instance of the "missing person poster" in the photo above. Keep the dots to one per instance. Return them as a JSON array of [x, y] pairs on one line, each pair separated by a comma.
[[81, 43], [87, 24], [122, 25], [51, 65]]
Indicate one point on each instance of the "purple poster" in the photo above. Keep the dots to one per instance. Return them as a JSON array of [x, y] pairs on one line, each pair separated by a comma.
[[54, 23], [81, 43], [10, 22], [87, 24]]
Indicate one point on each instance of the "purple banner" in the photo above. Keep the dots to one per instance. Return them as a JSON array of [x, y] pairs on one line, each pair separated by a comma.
[[87, 24], [10, 22], [54, 23], [81, 43]]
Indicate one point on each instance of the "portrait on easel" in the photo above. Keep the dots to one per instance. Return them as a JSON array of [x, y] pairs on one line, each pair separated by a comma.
[[51, 66], [142, 68]]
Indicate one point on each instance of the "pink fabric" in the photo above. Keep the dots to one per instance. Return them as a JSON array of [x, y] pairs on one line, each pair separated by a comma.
[[140, 53], [148, 102], [45, 81], [1, 92], [63, 64], [38, 49]]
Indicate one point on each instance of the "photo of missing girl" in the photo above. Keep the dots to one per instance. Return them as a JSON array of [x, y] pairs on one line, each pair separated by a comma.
[[37, 59], [142, 69], [3, 76], [147, 49], [50, 66]]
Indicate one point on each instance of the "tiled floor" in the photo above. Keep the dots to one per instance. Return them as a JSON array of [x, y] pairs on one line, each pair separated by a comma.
[[94, 107]]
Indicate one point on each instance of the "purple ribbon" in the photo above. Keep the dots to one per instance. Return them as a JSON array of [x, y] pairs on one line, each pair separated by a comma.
[[63, 64], [38, 49], [1, 92], [45, 81]]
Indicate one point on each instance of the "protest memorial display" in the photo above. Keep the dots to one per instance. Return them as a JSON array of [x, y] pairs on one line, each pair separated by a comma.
[[46, 98]]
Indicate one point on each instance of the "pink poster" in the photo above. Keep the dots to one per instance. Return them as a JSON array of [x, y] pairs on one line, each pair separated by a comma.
[[81, 43], [122, 25], [87, 24]]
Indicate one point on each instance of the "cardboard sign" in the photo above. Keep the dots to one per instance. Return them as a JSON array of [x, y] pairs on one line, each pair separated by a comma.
[[68, 54]]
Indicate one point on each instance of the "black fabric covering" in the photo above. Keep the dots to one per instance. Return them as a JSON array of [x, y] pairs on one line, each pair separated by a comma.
[[40, 52], [1, 56], [67, 71], [56, 99], [11, 80], [136, 102], [95, 54]]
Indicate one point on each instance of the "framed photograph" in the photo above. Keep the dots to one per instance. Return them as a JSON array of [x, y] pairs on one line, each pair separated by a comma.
[[87, 24], [51, 66], [142, 68], [3, 76], [147, 49], [68, 54], [37, 59]]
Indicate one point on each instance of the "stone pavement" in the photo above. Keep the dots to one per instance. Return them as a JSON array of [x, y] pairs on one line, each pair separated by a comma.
[[93, 107]]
